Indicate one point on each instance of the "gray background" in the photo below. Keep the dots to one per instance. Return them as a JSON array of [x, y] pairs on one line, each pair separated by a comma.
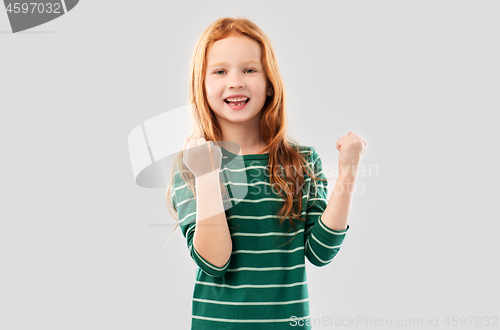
[[418, 80]]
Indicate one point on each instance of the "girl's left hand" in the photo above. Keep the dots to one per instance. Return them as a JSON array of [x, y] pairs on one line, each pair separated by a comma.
[[352, 148]]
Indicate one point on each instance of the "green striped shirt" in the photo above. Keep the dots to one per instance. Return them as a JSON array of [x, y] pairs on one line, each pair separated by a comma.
[[264, 283]]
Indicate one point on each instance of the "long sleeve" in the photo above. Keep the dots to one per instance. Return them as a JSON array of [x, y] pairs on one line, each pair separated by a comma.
[[321, 243], [184, 203]]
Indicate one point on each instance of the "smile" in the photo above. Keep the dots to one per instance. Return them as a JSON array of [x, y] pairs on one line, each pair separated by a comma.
[[237, 102], [237, 105]]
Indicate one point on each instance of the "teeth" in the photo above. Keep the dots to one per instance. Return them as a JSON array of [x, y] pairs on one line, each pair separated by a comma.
[[238, 99]]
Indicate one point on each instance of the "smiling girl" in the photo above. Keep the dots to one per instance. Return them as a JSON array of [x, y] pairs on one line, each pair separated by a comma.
[[251, 254]]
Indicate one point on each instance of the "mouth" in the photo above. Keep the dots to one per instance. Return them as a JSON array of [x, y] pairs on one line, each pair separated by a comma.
[[237, 102]]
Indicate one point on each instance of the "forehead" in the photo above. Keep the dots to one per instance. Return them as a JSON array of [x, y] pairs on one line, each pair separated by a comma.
[[234, 50]]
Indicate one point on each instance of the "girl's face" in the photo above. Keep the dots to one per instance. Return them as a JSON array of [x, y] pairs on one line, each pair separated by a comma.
[[234, 67]]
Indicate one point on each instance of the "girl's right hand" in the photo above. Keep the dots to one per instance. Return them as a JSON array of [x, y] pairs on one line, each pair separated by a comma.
[[199, 159]]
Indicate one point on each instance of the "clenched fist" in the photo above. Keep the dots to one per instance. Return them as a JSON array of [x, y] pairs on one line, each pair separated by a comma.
[[352, 148], [202, 157]]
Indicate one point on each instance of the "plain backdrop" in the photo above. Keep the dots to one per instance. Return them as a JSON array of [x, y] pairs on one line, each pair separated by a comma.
[[81, 244]]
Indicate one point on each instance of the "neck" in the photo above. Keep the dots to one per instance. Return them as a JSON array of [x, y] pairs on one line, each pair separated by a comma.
[[245, 134]]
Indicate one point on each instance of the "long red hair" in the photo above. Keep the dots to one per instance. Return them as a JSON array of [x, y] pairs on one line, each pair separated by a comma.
[[289, 179]]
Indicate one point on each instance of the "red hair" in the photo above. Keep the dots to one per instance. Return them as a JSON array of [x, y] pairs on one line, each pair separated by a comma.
[[282, 150]]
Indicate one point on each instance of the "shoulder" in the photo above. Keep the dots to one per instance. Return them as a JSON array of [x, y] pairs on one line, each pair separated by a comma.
[[303, 149], [177, 178], [309, 152], [312, 158], [181, 180]]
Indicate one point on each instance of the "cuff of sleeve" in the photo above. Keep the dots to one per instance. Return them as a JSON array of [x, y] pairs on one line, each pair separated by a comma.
[[208, 267], [335, 237]]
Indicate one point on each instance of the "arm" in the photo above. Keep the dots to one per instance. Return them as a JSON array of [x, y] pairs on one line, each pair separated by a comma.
[[352, 149], [212, 239], [336, 214], [322, 243], [185, 204]]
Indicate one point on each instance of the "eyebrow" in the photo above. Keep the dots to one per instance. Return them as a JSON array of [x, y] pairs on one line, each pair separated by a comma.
[[223, 63]]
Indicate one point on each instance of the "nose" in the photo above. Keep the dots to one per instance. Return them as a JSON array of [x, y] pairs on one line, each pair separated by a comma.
[[236, 81]]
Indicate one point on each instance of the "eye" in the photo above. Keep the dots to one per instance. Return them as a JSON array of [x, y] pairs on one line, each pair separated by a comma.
[[216, 72]]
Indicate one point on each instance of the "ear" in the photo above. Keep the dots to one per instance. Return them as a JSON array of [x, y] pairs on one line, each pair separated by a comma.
[[269, 89]]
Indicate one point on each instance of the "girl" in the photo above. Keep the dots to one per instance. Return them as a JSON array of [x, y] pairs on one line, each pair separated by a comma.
[[252, 217]]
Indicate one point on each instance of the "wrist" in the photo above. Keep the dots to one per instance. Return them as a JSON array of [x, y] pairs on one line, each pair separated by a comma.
[[345, 184], [348, 172], [208, 177]]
